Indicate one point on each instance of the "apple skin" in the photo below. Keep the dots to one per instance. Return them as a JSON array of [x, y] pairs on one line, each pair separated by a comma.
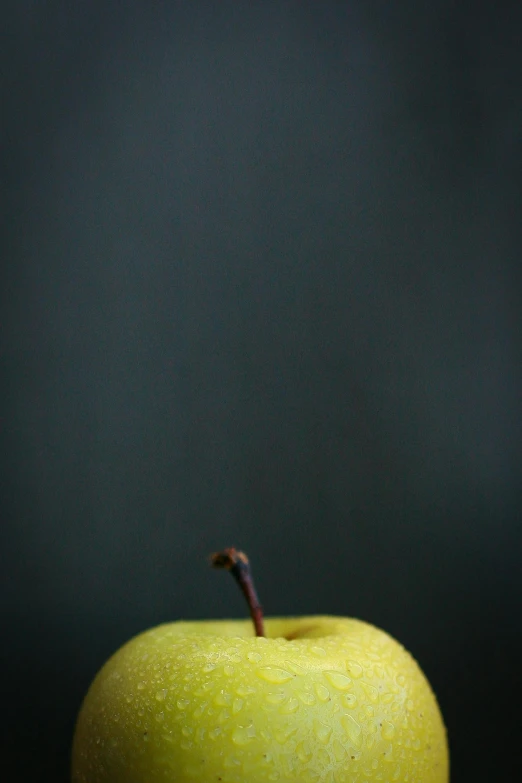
[[321, 699]]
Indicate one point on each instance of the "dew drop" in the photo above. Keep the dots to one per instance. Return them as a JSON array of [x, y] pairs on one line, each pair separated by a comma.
[[306, 697], [310, 776], [223, 699], [223, 716], [283, 735], [273, 674], [214, 733], [338, 750], [274, 776], [200, 709], [160, 717], [276, 697], [388, 730], [303, 752], [208, 667], [187, 731], [355, 669], [371, 691], [237, 705], [182, 704], [339, 681], [322, 731], [323, 757], [401, 679], [319, 651], [243, 735], [352, 729], [295, 668], [387, 754], [141, 686], [323, 694], [291, 706], [409, 705], [245, 690], [231, 762], [253, 657], [161, 694], [228, 670], [349, 700]]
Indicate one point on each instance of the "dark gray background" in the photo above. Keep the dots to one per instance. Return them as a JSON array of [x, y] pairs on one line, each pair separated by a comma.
[[261, 287]]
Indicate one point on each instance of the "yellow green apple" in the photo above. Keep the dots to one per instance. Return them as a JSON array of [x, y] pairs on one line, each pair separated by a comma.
[[319, 699]]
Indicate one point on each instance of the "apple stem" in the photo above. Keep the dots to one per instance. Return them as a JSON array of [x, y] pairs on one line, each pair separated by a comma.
[[239, 566]]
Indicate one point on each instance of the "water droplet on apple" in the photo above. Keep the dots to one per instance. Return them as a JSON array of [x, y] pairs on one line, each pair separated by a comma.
[[371, 691], [223, 699], [291, 706], [245, 690], [228, 670], [388, 730], [282, 735], [310, 776], [409, 705], [253, 657], [223, 716], [354, 669], [242, 735], [323, 757], [401, 679], [274, 674], [338, 750], [161, 694], [339, 681], [322, 731], [237, 706], [274, 776], [208, 667], [160, 717], [276, 697], [323, 694], [303, 752], [306, 697], [349, 700], [200, 709], [187, 731], [319, 651], [182, 704], [141, 686], [214, 733], [352, 729]]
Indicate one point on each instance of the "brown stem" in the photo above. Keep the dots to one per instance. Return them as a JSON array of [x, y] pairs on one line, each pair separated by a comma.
[[238, 565]]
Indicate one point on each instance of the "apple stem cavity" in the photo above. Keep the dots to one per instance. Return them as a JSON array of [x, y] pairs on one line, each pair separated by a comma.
[[239, 566]]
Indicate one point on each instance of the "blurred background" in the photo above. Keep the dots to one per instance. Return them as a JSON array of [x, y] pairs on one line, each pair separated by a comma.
[[261, 287]]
